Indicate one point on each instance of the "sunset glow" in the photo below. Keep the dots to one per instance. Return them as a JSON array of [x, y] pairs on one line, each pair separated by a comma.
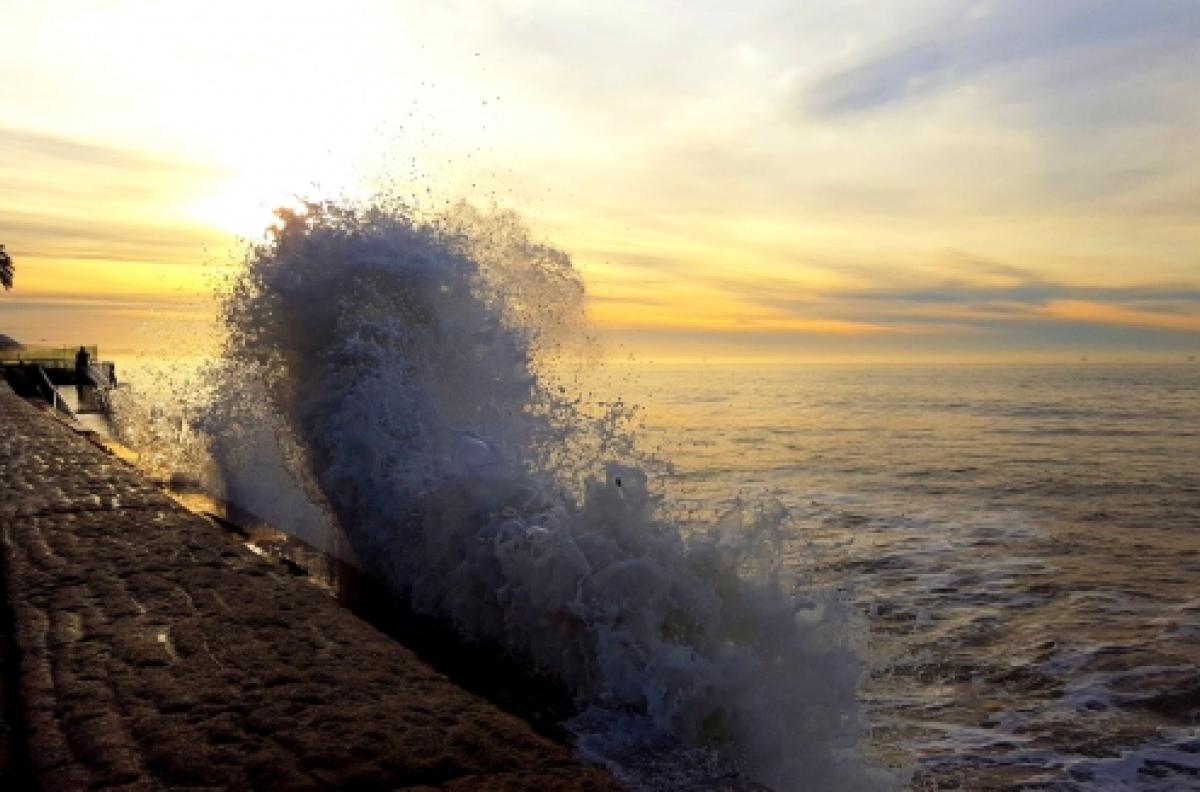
[[786, 180]]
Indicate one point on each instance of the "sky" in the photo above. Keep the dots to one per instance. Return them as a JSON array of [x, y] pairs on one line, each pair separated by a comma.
[[759, 181]]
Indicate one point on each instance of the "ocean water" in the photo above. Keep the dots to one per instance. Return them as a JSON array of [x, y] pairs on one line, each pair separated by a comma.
[[1024, 542], [807, 578]]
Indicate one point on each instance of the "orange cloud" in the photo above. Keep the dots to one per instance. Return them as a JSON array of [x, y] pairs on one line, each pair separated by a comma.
[[623, 316], [1103, 313]]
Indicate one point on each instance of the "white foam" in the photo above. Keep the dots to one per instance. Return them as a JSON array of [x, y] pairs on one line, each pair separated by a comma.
[[398, 369]]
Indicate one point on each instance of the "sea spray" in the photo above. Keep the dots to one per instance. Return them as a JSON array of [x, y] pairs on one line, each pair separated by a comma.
[[209, 426], [398, 370]]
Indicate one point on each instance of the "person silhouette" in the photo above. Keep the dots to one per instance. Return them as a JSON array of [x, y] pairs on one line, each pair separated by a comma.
[[83, 364]]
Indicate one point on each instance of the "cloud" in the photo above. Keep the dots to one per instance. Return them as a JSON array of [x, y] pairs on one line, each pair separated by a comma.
[[1089, 312], [1073, 106], [68, 198], [28, 147], [985, 297], [65, 235], [36, 167], [1073, 41]]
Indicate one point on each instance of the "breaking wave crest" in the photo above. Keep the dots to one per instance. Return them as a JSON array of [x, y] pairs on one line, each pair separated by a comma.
[[406, 376]]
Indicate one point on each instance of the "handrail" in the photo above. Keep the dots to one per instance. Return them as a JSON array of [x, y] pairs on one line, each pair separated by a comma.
[[51, 394], [43, 362]]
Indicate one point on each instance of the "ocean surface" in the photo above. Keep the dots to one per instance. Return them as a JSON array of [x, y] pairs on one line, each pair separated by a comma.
[[1024, 543]]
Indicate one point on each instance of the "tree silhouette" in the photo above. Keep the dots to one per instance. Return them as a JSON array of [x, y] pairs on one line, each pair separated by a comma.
[[6, 269]]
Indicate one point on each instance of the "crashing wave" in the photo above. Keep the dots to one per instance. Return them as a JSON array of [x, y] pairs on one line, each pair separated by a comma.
[[397, 368]]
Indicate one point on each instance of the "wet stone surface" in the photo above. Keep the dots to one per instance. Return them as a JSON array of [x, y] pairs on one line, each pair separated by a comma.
[[154, 651]]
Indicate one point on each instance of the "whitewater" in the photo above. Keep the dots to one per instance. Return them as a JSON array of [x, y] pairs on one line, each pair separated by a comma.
[[410, 383]]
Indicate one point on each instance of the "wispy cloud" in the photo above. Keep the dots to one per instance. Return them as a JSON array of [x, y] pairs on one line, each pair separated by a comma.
[[960, 295], [1107, 313], [19, 146], [955, 306], [65, 198], [1074, 43], [59, 234]]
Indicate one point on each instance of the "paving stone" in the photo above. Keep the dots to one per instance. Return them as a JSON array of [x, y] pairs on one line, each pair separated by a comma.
[[156, 652]]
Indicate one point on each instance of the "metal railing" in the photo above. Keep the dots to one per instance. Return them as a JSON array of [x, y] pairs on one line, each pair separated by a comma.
[[56, 357]]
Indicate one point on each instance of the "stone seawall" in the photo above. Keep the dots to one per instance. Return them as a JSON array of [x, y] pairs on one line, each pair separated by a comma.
[[146, 648]]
